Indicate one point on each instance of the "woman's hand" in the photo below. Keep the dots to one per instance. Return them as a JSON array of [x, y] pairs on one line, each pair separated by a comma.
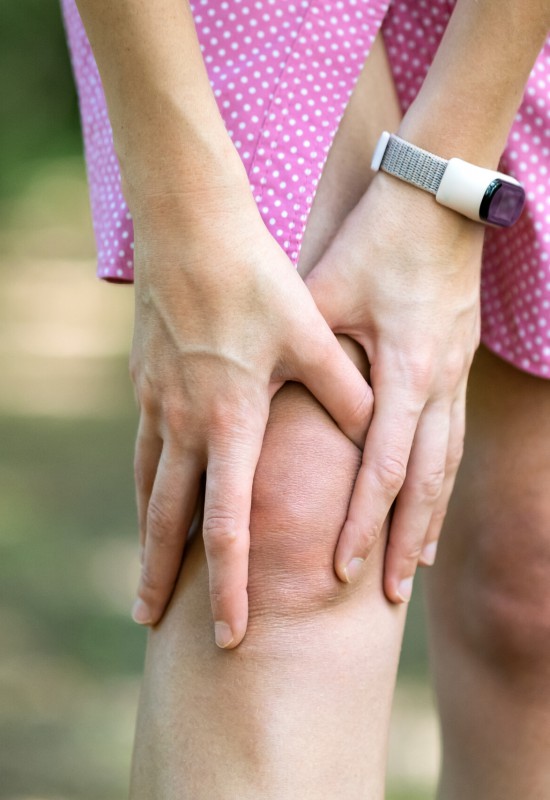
[[222, 320], [402, 277]]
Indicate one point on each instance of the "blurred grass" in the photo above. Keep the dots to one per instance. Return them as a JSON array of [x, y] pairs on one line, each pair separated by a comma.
[[70, 656], [39, 113]]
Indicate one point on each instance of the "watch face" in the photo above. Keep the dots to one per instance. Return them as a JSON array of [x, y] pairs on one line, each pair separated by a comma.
[[502, 203]]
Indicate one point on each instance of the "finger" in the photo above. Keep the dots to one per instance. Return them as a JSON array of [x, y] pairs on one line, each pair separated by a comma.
[[455, 450], [332, 377], [146, 458], [226, 532], [169, 515], [380, 477], [416, 501]]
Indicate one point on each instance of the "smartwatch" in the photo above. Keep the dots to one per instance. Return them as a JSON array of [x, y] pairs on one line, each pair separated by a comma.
[[476, 192]]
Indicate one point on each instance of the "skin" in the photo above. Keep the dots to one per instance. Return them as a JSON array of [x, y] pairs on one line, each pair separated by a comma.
[[301, 708], [222, 318], [495, 639], [148, 54], [217, 370], [402, 278], [149, 58], [487, 594]]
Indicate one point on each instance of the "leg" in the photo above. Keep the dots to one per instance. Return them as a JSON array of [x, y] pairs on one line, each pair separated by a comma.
[[489, 595], [301, 708]]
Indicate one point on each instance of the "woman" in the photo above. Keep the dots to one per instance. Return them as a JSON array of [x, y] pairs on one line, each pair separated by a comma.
[[300, 706]]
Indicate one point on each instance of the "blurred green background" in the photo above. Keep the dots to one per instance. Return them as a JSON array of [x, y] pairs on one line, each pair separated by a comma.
[[70, 656]]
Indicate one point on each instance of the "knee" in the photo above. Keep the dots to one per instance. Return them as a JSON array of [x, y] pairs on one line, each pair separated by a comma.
[[301, 493], [506, 602]]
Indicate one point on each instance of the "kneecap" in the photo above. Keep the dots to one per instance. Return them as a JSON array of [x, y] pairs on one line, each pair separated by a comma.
[[302, 489]]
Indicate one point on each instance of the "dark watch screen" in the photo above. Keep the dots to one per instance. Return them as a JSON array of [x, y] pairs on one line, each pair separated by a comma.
[[502, 203]]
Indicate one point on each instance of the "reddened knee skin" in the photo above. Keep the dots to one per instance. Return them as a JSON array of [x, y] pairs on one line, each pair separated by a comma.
[[296, 519]]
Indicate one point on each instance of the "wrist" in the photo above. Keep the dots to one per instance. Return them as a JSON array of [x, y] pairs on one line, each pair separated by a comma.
[[481, 194], [180, 228], [185, 190], [417, 220], [182, 155]]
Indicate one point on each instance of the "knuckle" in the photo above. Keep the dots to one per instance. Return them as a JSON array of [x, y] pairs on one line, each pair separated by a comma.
[[174, 416], [370, 537], [218, 598], [145, 396], [361, 412], [365, 537], [224, 596], [231, 421], [390, 474], [429, 487], [453, 370], [219, 531], [160, 524], [225, 423], [221, 416], [420, 372], [149, 586], [406, 553], [412, 555]]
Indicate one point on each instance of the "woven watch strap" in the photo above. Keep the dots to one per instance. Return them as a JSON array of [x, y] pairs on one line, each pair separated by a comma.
[[412, 164]]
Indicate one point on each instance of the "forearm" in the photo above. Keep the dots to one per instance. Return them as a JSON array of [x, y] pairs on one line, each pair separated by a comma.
[[168, 133], [467, 103]]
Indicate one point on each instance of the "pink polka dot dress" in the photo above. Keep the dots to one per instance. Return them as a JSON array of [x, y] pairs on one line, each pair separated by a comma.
[[282, 73]]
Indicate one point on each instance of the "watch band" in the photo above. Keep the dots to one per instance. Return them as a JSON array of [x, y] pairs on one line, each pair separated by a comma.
[[412, 164], [478, 193]]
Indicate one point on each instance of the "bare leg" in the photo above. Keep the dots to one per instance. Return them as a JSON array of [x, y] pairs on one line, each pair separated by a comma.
[[301, 708], [489, 595]]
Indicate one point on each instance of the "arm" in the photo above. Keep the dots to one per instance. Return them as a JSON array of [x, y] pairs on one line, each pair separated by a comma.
[[167, 129], [221, 315], [472, 91], [403, 277]]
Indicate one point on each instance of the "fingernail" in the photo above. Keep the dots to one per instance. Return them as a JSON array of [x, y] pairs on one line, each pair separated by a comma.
[[353, 569], [141, 613], [223, 633], [404, 590], [428, 553]]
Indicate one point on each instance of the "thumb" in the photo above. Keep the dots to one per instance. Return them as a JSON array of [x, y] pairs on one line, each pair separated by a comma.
[[333, 378]]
